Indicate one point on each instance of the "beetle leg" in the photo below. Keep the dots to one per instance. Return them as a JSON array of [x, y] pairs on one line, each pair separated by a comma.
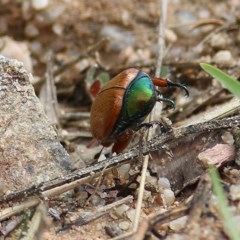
[[167, 100], [122, 140], [147, 125], [120, 145], [165, 82]]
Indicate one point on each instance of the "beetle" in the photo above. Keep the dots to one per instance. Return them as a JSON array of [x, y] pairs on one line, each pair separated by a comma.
[[122, 105]]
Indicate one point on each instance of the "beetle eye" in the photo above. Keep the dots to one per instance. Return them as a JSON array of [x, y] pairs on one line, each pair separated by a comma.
[[140, 97]]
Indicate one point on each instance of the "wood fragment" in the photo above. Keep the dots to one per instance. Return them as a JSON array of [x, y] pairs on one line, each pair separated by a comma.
[[38, 224], [48, 94], [8, 212]]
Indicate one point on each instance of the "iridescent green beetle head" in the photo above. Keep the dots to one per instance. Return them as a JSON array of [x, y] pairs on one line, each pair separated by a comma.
[[138, 101]]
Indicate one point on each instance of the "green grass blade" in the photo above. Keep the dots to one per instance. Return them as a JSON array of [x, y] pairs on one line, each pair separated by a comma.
[[229, 224], [227, 81]]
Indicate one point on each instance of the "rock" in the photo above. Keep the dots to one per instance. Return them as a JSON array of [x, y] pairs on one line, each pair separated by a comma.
[[11, 48], [178, 224], [164, 183], [30, 152], [131, 214], [39, 4], [224, 58], [220, 40], [122, 209], [235, 192], [227, 138], [124, 225], [168, 197]]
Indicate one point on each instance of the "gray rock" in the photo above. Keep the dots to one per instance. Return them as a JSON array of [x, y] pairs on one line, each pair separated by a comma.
[[30, 151]]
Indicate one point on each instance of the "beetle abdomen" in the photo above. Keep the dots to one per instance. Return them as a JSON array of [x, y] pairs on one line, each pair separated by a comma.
[[107, 106]]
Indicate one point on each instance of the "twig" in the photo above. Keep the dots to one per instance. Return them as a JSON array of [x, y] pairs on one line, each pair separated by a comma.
[[8, 212], [97, 186], [48, 93], [177, 133], [161, 35], [198, 203], [37, 224], [89, 216], [86, 174], [168, 216]]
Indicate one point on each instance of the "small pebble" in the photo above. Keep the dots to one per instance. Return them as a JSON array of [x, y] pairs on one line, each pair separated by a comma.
[[227, 137], [168, 197], [147, 196], [97, 201], [224, 58], [124, 170], [35, 47], [170, 35], [39, 4], [235, 192], [57, 29], [31, 30], [122, 209], [219, 40], [102, 157], [131, 214], [164, 183], [124, 225], [113, 230], [178, 224], [151, 180]]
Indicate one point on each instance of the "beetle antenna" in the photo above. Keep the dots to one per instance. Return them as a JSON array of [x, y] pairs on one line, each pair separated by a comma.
[[183, 87], [165, 82]]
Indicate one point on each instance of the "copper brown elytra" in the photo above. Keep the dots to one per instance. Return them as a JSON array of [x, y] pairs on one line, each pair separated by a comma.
[[123, 104]]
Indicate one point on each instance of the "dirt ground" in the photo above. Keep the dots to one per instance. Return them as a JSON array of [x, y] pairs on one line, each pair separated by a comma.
[[107, 37]]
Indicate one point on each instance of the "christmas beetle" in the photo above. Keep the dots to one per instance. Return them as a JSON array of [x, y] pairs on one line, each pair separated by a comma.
[[122, 105]]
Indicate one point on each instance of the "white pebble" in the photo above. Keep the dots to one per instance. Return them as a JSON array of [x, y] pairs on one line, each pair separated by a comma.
[[102, 157], [131, 214], [124, 225], [227, 137], [151, 180], [168, 197], [124, 170], [164, 183], [57, 29], [219, 40], [35, 47], [39, 4], [122, 209], [147, 195], [178, 224], [97, 201], [31, 30], [235, 192], [170, 35], [224, 58]]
